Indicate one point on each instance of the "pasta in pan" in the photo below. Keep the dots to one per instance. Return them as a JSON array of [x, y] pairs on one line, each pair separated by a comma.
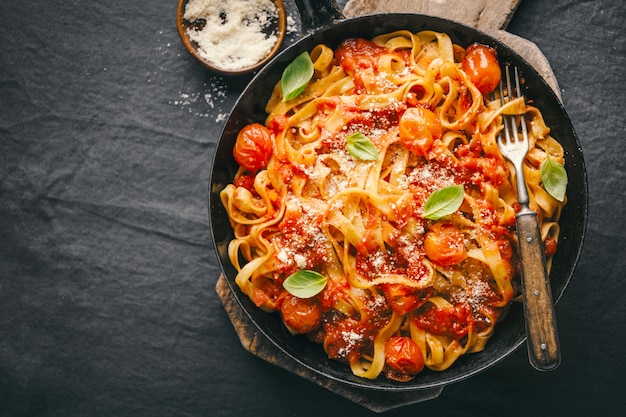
[[379, 192]]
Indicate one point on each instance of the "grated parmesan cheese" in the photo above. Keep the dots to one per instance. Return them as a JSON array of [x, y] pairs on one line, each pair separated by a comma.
[[300, 261], [352, 340], [283, 256], [235, 35]]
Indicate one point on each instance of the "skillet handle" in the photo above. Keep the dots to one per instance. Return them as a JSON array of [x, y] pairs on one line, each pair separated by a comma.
[[315, 14], [543, 339]]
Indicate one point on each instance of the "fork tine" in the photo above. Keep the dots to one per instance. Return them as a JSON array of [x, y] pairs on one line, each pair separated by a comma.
[[512, 94], [510, 90], [519, 94], [508, 125], [512, 147], [513, 119]]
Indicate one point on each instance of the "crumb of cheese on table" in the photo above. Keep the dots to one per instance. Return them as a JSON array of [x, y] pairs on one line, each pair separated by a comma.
[[235, 34]]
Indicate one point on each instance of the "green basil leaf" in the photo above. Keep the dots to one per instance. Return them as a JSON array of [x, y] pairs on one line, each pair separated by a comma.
[[296, 76], [443, 201], [305, 283], [361, 147], [554, 178]]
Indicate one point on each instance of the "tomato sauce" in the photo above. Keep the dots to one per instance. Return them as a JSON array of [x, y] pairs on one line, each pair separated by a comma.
[[453, 322], [359, 56], [245, 181], [356, 54], [550, 246]]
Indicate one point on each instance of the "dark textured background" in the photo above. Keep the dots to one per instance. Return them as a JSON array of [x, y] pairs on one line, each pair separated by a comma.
[[107, 269]]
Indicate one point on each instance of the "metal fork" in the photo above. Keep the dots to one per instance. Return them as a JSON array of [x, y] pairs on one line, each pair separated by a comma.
[[541, 331]]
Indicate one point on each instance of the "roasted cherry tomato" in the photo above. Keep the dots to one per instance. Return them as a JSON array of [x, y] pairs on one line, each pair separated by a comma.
[[356, 54], [444, 244], [451, 321], [301, 315], [403, 355], [253, 147], [419, 127], [404, 299], [481, 66], [338, 346]]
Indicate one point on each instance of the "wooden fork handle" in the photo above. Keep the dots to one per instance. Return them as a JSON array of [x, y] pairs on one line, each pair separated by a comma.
[[541, 331]]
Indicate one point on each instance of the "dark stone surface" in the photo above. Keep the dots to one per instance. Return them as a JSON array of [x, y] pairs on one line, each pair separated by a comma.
[[107, 267]]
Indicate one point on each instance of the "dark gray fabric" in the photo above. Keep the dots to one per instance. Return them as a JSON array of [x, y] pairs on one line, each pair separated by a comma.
[[107, 269]]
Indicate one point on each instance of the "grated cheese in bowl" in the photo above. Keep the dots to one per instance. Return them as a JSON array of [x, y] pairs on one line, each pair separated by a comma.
[[237, 33]]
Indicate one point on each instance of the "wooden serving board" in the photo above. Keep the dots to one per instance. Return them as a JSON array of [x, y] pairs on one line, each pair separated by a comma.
[[490, 16]]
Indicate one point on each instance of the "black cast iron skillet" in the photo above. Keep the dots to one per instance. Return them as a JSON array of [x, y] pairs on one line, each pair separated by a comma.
[[326, 25]]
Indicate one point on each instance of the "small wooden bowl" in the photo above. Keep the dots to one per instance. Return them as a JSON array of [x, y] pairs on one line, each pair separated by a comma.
[[192, 47]]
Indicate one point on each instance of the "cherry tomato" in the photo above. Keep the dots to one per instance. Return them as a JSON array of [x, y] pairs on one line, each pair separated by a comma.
[[451, 322], [403, 355], [359, 56], [404, 299], [338, 346], [355, 54], [419, 127], [302, 315], [253, 147], [444, 244], [481, 66]]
